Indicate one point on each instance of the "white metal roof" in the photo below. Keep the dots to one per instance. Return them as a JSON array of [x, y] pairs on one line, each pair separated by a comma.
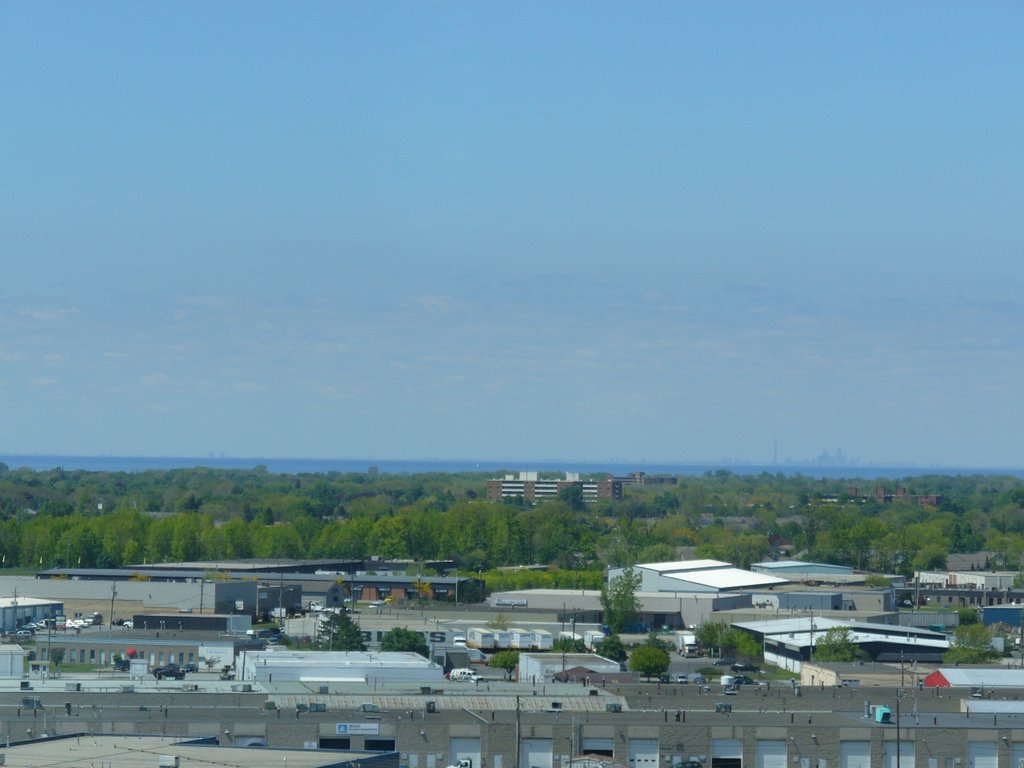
[[800, 632], [684, 565], [992, 677], [728, 578], [24, 602], [339, 659], [782, 565]]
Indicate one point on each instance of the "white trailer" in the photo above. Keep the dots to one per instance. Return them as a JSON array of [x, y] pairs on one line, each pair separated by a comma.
[[479, 638], [522, 639], [502, 639], [592, 638], [543, 640]]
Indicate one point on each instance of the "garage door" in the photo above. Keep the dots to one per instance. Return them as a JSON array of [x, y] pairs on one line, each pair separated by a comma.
[[535, 753], [906, 755], [982, 754], [727, 753], [643, 753], [770, 754], [592, 746], [855, 754], [466, 747]]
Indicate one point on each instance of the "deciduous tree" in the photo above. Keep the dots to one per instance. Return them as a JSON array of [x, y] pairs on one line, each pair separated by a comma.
[[507, 661], [405, 640], [649, 661], [619, 600]]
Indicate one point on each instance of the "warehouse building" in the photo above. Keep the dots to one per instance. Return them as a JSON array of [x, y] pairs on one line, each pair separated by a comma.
[[789, 642], [338, 667], [133, 751], [713, 576]]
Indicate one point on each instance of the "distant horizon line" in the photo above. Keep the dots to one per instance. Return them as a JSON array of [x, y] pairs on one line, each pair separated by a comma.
[[526, 464]]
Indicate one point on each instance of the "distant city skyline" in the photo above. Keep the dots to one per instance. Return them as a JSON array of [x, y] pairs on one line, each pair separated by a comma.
[[540, 229]]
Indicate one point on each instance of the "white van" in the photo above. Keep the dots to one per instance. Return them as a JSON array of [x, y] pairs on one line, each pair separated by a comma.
[[463, 676]]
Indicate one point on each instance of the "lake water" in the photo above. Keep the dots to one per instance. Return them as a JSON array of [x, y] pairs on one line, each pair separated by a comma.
[[416, 466]]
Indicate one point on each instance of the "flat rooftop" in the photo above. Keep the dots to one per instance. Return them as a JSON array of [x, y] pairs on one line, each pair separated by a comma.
[[145, 751]]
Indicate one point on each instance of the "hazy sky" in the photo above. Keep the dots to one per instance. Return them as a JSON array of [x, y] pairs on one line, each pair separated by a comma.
[[574, 230]]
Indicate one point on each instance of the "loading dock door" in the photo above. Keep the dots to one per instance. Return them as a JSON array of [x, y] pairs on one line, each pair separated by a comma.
[[982, 754], [468, 747], [592, 746], [536, 753], [906, 754], [727, 753], [771, 754], [855, 754], [643, 753]]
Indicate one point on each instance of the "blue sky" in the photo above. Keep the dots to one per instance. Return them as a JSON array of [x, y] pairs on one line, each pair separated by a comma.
[[672, 232]]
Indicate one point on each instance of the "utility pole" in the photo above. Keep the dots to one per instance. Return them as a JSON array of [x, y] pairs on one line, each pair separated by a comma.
[[897, 729], [110, 619], [519, 728]]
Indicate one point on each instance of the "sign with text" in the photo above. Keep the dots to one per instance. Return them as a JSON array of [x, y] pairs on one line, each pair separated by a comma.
[[357, 729]]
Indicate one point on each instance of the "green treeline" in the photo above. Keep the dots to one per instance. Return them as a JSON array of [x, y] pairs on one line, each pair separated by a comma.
[[100, 519]]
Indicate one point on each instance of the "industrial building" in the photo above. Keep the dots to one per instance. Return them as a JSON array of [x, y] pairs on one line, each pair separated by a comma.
[[510, 725], [789, 642], [975, 677], [123, 751], [16, 611], [544, 667], [698, 576], [662, 610], [337, 667], [798, 570]]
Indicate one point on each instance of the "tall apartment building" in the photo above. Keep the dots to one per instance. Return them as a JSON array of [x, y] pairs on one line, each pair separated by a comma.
[[533, 488]]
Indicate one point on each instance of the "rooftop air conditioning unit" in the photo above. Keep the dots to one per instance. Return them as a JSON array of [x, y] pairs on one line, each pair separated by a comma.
[[613, 707], [168, 761]]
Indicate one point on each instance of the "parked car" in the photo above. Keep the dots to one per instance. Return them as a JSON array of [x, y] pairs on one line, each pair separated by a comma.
[[724, 662], [745, 668], [743, 680], [170, 670], [24, 634], [682, 677]]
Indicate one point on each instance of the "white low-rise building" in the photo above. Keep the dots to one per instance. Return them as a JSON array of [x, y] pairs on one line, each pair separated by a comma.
[[337, 666], [12, 661], [713, 576], [542, 667]]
